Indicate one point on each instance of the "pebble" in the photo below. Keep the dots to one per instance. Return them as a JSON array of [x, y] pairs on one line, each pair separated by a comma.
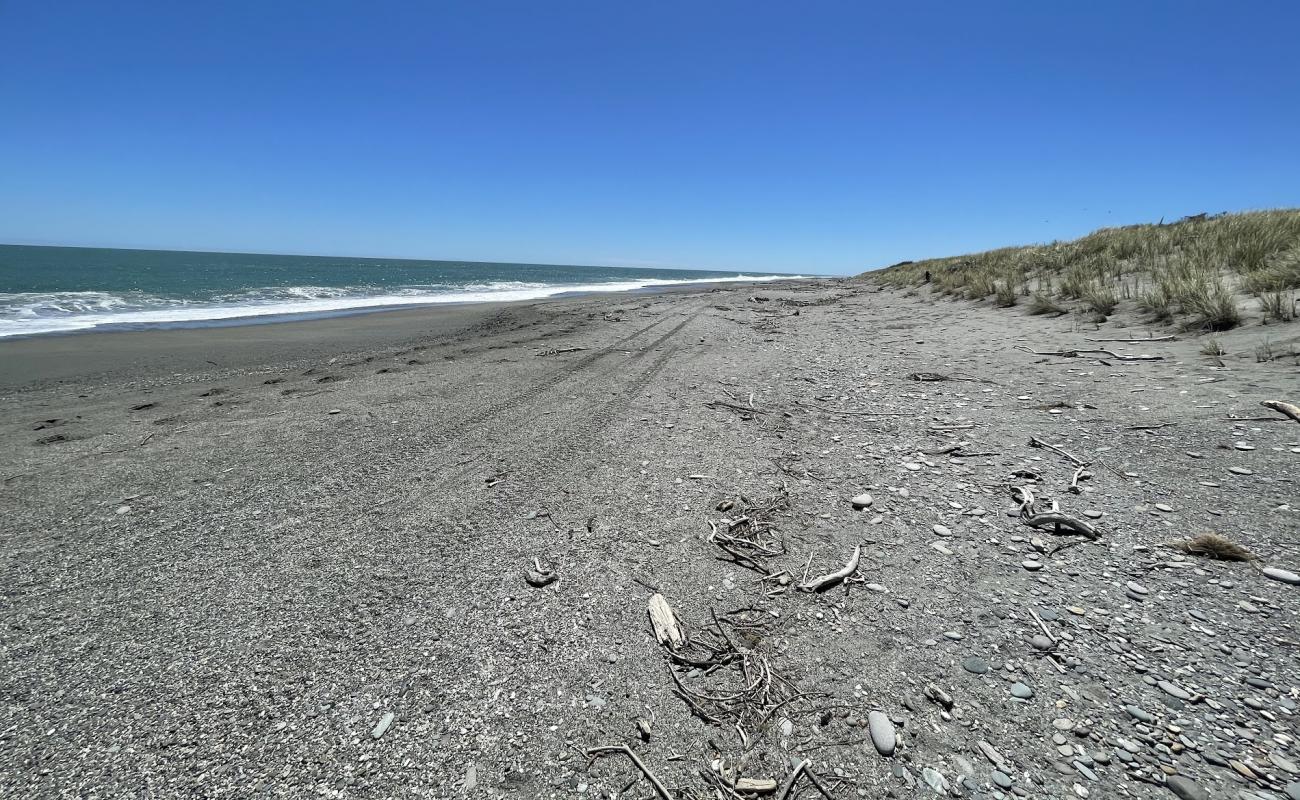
[[1031, 565], [862, 501], [1041, 642], [1134, 586], [1139, 715], [975, 665], [1173, 690], [939, 547], [935, 780], [1240, 471], [1293, 790], [942, 530], [882, 732], [382, 727], [1283, 575], [1165, 508], [1021, 691], [335, 411], [1002, 779], [1092, 514], [912, 465]]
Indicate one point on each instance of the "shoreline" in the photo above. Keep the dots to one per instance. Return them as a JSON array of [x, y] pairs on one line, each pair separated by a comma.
[[38, 359]]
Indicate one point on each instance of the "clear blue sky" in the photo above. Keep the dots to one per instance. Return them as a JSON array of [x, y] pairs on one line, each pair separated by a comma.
[[802, 137]]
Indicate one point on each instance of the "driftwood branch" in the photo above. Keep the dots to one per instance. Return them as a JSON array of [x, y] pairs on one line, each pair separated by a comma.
[[1062, 524], [1077, 353], [832, 578], [1136, 341], [1034, 441], [603, 750], [1287, 409]]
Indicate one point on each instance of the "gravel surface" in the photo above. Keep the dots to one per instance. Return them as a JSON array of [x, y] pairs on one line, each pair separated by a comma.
[[320, 577]]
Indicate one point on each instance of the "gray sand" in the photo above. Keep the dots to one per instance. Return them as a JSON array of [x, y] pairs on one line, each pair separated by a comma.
[[300, 570]]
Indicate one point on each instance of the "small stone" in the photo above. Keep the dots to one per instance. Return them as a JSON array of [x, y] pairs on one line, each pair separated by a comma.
[[942, 530], [1134, 586], [1293, 790], [940, 548], [882, 732], [862, 501], [1165, 508], [1092, 514], [1021, 691], [912, 465], [1240, 471], [1173, 690], [1002, 779], [1283, 575], [975, 665], [1031, 565], [335, 411], [382, 727], [1041, 642], [935, 780], [1139, 714]]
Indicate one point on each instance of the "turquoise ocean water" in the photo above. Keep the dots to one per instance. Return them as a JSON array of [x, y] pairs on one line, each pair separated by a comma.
[[66, 289]]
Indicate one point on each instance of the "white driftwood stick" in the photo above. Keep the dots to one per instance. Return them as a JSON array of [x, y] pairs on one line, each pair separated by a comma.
[[667, 632], [1289, 409], [831, 578]]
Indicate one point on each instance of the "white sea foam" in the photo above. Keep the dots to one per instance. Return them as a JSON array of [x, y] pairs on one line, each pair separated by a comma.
[[26, 314]]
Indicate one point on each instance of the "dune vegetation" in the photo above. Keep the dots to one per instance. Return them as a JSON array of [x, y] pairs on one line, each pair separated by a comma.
[[1200, 273]]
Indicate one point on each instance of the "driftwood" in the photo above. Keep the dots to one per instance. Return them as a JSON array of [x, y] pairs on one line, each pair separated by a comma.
[[1077, 353], [1135, 341], [1034, 441], [1062, 524], [832, 578], [557, 351], [1287, 409], [734, 407], [667, 631], [660, 789], [540, 576]]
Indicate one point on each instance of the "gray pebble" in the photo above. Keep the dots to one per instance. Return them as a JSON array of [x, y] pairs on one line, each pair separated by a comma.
[[882, 732], [975, 665], [1185, 788], [1021, 691], [1283, 575]]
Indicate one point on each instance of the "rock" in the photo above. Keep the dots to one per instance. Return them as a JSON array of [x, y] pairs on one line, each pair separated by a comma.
[[1139, 715], [1173, 690], [1185, 788], [975, 665], [1163, 507], [384, 723], [1283, 575], [1134, 586], [1293, 790], [1002, 779], [862, 501], [942, 531], [882, 732], [1041, 642], [939, 547], [1021, 691], [1031, 565], [938, 695], [934, 780]]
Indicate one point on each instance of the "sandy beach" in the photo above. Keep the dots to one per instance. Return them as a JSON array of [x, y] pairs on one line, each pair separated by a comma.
[[291, 560]]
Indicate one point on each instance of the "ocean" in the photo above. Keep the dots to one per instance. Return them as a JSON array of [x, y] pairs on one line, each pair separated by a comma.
[[46, 290]]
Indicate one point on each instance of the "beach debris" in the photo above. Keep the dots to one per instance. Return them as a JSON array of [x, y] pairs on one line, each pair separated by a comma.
[[1034, 441], [603, 750], [1213, 545], [832, 579], [1077, 353], [1062, 524], [559, 350], [662, 617], [539, 576], [1288, 409]]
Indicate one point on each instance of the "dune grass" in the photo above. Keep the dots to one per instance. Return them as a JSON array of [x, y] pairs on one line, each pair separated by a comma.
[[1200, 272]]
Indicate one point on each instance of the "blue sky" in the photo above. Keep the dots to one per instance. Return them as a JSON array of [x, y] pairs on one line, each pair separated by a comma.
[[801, 137]]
